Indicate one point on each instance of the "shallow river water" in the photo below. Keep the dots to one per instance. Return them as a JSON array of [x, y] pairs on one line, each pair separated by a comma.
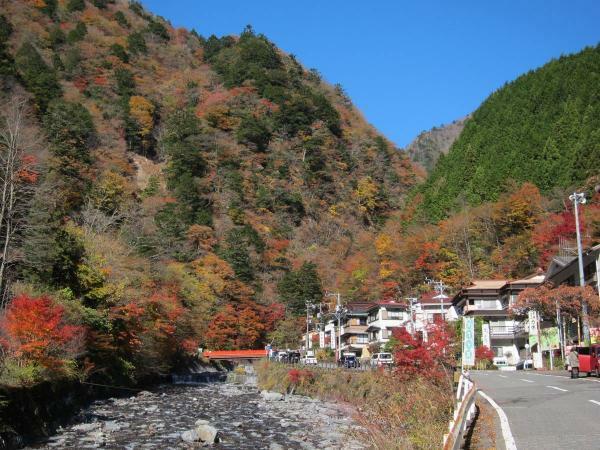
[[244, 419]]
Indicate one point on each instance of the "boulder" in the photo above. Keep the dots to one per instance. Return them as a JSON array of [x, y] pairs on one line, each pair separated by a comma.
[[204, 432], [207, 433], [272, 396]]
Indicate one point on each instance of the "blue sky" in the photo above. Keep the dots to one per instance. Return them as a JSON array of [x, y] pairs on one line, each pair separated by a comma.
[[408, 65]]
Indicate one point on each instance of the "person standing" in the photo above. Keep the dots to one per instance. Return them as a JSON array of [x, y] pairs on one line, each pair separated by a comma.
[[574, 363]]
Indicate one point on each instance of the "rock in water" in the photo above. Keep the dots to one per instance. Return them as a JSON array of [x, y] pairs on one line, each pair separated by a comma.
[[272, 396]]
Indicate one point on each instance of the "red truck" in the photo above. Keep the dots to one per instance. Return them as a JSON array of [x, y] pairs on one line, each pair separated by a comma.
[[589, 359]]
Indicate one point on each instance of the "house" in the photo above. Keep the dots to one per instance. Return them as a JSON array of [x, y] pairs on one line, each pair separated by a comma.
[[431, 306], [564, 269], [490, 300], [383, 317], [354, 328]]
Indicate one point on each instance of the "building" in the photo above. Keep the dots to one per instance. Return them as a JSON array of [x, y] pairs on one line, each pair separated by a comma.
[[354, 328], [564, 269], [431, 306], [490, 300], [383, 317]]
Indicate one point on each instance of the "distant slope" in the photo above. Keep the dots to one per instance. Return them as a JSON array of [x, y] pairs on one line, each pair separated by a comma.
[[544, 127], [429, 145]]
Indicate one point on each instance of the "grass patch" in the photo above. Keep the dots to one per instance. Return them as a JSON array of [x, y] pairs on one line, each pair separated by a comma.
[[394, 413]]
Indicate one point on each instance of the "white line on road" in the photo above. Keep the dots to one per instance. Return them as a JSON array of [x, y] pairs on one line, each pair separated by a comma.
[[503, 376], [509, 440], [557, 388], [594, 401], [527, 381]]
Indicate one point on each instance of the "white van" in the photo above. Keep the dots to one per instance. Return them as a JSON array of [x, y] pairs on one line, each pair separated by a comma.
[[382, 359]]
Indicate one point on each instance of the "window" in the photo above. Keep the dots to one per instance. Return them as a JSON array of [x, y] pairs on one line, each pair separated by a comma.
[[395, 314], [362, 339], [362, 321]]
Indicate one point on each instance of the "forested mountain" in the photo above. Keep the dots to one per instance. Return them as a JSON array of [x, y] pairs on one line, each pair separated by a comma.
[[429, 145], [171, 190], [544, 127]]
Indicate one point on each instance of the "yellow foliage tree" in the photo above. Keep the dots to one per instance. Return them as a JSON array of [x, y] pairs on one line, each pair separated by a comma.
[[383, 244], [142, 110]]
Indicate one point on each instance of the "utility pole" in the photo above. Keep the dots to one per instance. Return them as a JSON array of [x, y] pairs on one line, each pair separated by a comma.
[[339, 313], [411, 302], [439, 286], [578, 198], [309, 307]]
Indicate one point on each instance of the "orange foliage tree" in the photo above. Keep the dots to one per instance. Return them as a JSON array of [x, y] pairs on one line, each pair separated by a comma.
[[34, 330]]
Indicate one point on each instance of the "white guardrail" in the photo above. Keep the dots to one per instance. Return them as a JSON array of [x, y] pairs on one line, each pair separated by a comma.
[[463, 413]]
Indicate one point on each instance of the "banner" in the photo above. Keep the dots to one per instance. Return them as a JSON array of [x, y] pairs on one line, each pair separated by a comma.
[[532, 322], [485, 335], [468, 353]]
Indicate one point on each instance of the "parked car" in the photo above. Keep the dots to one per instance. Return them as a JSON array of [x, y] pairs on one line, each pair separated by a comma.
[[381, 359], [308, 359], [589, 359], [525, 364], [349, 361], [500, 361], [293, 357]]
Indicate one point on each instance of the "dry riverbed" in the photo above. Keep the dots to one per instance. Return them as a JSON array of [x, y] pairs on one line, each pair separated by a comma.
[[244, 418]]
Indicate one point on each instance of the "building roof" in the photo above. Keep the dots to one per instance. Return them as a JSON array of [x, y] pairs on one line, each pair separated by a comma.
[[532, 279], [429, 298], [387, 304], [359, 307], [487, 284]]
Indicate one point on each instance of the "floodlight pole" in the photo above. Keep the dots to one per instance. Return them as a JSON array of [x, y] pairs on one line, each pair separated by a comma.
[[578, 198]]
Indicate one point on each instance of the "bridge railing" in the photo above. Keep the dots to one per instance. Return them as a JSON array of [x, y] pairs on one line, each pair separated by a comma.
[[464, 411]]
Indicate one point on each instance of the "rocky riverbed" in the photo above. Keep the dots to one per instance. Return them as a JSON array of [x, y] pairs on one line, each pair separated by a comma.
[[244, 418]]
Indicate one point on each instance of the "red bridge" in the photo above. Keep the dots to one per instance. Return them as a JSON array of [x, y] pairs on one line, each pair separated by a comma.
[[235, 354]]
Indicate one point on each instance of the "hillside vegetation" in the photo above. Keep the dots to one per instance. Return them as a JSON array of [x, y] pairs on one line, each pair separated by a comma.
[[427, 147], [544, 128], [172, 191]]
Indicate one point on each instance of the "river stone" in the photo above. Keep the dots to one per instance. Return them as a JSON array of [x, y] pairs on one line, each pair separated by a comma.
[[275, 446], [207, 433], [190, 436], [86, 426], [272, 396], [111, 425]]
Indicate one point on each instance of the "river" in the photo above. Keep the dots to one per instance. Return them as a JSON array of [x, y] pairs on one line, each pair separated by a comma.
[[156, 420]]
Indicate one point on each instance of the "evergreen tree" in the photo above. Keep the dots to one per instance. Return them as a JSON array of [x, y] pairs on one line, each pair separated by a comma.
[[299, 286], [39, 79]]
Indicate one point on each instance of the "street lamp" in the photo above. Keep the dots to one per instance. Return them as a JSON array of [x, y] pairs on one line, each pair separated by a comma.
[[578, 198]]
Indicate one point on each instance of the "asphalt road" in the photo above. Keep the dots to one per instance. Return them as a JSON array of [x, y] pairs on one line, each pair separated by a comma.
[[546, 411]]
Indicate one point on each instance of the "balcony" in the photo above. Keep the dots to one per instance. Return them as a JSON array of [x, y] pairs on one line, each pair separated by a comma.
[[506, 331], [354, 329]]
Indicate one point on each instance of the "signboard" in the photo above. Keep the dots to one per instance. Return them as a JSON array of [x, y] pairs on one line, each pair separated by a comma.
[[532, 316], [468, 353], [549, 338], [485, 335], [322, 339]]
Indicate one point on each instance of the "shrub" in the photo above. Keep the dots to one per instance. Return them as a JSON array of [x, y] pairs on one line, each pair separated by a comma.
[[137, 44], [253, 130], [119, 51], [77, 34], [75, 5], [159, 30], [121, 19]]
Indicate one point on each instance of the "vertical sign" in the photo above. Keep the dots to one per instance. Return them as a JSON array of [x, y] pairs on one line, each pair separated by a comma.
[[468, 353], [485, 335], [322, 339]]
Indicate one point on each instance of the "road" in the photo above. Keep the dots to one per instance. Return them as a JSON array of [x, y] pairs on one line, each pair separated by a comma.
[[546, 411]]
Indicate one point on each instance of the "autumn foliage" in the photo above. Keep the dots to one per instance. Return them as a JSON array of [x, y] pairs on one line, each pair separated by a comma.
[[35, 330], [430, 358]]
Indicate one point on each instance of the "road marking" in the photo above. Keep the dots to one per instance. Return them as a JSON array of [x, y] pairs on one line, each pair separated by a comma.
[[557, 388], [509, 440], [503, 376], [527, 381], [594, 401]]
